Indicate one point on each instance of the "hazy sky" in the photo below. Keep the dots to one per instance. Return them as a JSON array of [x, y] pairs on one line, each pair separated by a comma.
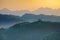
[[28, 4]]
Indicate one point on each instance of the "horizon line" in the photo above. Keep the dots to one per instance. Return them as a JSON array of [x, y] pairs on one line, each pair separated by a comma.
[[30, 10]]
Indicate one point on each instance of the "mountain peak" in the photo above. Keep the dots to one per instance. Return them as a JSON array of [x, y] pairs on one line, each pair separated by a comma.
[[4, 9], [28, 14]]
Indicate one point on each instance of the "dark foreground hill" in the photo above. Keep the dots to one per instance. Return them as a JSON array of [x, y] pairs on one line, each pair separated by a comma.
[[39, 30], [53, 36]]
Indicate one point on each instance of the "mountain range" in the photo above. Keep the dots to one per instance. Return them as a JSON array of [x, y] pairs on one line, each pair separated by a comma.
[[46, 11], [32, 17], [24, 25], [9, 18]]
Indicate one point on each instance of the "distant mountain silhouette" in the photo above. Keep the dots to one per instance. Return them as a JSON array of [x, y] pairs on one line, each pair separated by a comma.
[[8, 20], [5, 11], [47, 11], [16, 13], [29, 17], [8, 16], [32, 17]]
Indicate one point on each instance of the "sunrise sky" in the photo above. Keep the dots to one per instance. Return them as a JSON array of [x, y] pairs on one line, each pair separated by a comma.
[[29, 4]]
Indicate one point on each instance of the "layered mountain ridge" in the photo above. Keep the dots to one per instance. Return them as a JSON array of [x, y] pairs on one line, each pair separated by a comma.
[[8, 17]]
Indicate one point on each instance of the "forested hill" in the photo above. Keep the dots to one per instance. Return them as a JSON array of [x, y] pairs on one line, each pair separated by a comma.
[[39, 25], [39, 30]]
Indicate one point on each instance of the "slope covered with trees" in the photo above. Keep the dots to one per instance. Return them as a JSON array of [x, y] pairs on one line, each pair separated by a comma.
[[39, 30]]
